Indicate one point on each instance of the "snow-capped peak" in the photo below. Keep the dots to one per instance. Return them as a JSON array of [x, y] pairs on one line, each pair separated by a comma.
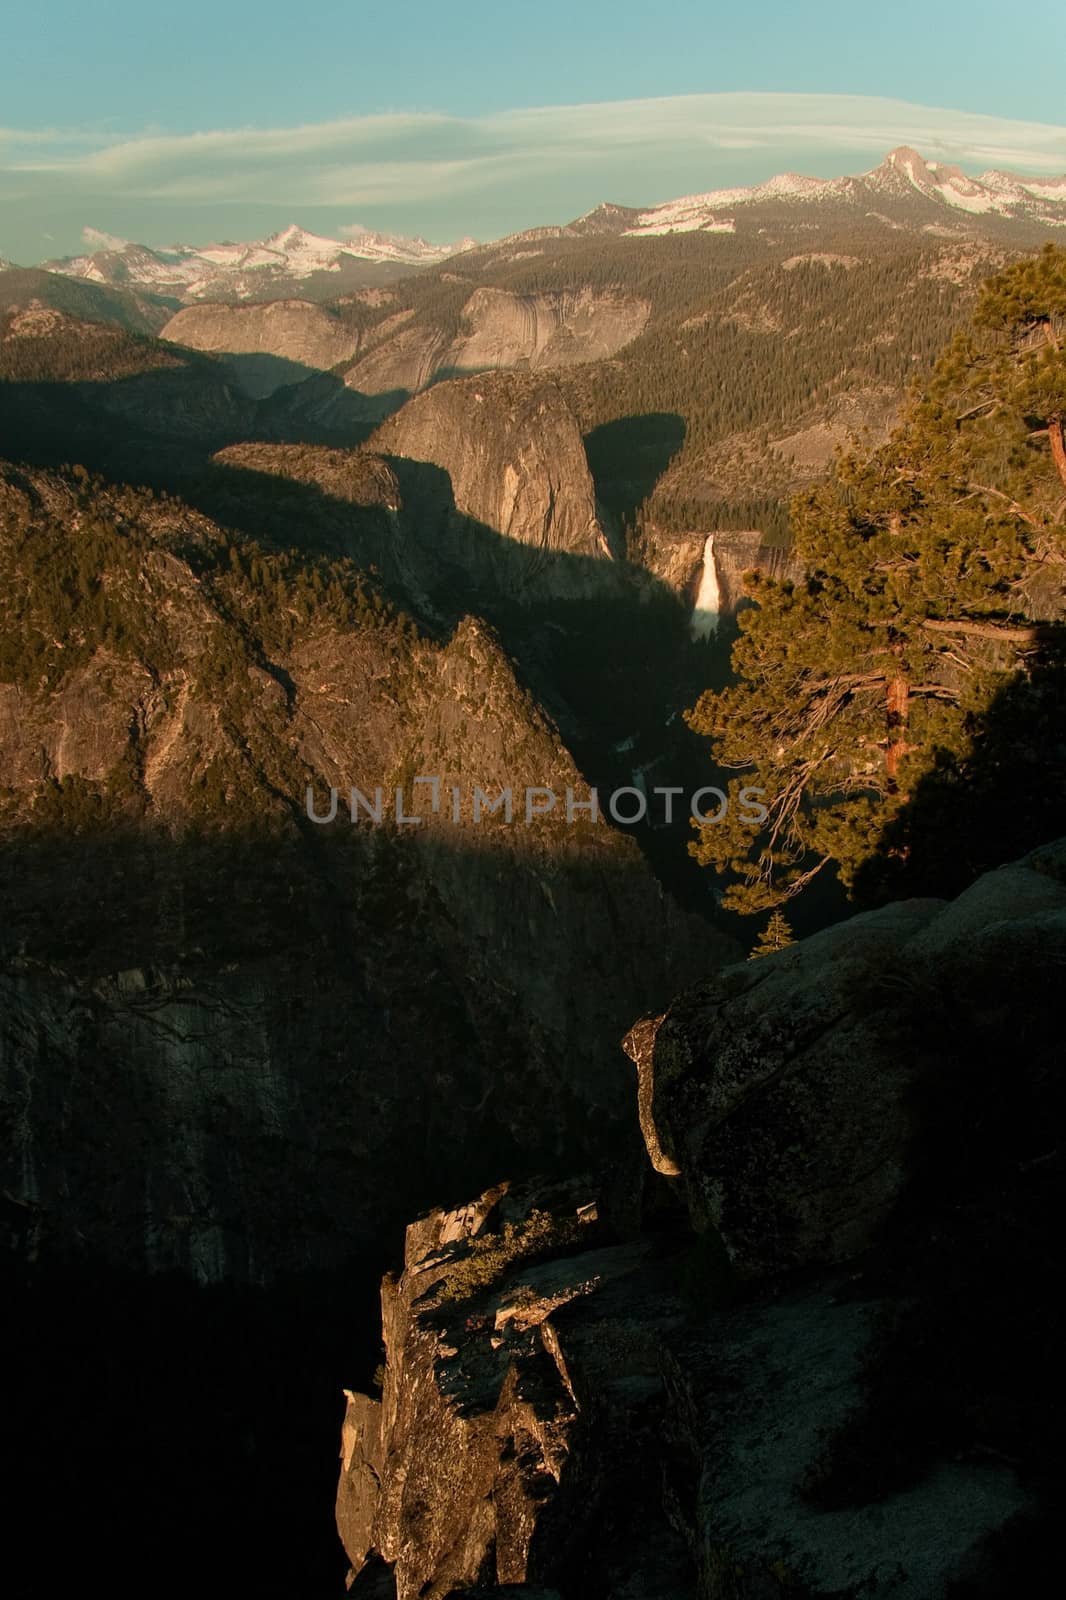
[[307, 252], [1004, 193], [698, 211], [233, 267], [903, 177]]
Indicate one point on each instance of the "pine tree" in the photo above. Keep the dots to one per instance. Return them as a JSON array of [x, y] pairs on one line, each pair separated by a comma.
[[777, 935], [930, 567]]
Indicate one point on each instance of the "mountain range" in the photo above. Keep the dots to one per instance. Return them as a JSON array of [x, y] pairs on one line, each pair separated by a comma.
[[931, 194], [905, 192], [205, 272]]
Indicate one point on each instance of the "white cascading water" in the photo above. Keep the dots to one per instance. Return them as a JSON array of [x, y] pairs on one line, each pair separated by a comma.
[[704, 621]]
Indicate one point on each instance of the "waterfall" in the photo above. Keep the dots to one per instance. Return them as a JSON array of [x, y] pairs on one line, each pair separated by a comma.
[[704, 621]]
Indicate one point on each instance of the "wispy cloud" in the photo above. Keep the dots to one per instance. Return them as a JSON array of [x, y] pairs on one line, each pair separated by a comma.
[[407, 157], [94, 239], [425, 172]]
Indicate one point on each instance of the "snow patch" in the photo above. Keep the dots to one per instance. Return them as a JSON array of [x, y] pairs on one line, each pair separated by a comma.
[[292, 252], [1053, 189]]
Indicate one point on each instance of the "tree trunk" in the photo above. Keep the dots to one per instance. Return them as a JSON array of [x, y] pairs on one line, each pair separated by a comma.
[[1058, 446], [897, 705]]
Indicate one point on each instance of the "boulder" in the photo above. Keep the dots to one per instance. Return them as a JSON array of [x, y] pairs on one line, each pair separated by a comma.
[[791, 1095], [837, 1382]]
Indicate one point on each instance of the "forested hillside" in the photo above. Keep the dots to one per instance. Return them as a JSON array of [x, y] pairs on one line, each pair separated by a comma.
[[758, 358], [903, 706]]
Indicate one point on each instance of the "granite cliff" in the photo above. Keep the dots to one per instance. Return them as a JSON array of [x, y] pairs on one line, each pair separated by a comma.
[[402, 353], [813, 1353], [515, 462], [266, 345]]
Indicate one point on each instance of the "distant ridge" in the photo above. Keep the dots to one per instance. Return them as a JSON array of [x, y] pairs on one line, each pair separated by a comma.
[[905, 191], [287, 257], [904, 176]]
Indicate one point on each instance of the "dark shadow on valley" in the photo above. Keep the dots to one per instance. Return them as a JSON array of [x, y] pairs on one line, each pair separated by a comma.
[[1003, 797], [628, 457], [603, 646], [965, 1359], [260, 374], [321, 998], [155, 427], [178, 1430]]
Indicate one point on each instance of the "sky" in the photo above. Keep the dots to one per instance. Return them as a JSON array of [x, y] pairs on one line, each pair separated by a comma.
[[231, 119]]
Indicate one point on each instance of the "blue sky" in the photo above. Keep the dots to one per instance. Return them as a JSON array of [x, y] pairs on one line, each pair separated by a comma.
[[230, 119]]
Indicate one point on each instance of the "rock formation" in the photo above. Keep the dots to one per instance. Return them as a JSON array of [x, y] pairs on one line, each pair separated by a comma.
[[399, 355], [512, 449], [748, 1085], [543, 331], [266, 345], [679, 560], [497, 486], [836, 1383], [357, 477]]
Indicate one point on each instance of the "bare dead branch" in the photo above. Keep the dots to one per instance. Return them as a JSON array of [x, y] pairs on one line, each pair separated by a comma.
[[982, 630]]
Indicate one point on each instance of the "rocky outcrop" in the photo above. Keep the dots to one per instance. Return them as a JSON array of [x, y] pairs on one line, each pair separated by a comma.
[[762, 1087], [837, 1385], [266, 345], [494, 474], [521, 1352], [356, 476], [543, 331]]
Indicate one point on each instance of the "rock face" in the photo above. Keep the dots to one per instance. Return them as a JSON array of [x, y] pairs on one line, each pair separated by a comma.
[[401, 363], [737, 553], [679, 561], [760, 1087], [268, 345], [517, 1366], [512, 449], [835, 1386], [543, 331], [400, 356], [503, 453], [245, 1040]]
